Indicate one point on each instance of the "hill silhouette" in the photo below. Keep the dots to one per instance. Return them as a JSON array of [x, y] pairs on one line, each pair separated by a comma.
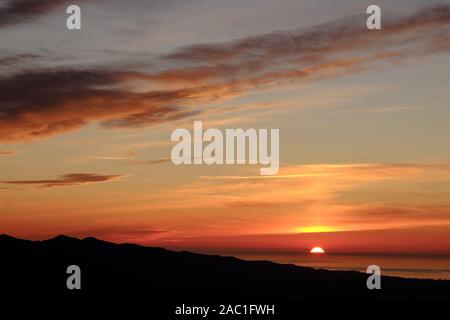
[[37, 269]]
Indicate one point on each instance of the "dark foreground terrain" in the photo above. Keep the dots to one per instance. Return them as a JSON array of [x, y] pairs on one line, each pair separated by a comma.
[[37, 269]]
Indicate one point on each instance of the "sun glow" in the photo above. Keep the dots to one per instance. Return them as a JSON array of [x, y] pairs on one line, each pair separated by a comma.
[[317, 250], [312, 229]]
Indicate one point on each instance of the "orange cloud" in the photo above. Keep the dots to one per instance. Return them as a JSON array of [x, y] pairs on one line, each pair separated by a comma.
[[37, 103], [417, 240], [121, 233], [308, 195]]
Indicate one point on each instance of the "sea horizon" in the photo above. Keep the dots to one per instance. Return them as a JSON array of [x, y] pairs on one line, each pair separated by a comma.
[[434, 266]]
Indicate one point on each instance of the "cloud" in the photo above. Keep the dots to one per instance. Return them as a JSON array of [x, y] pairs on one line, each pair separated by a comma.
[[20, 11], [36, 104], [313, 43], [359, 171], [394, 214], [11, 59], [332, 49], [126, 156], [341, 196], [410, 242], [14, 12], [72, 179], [121, 233], [41, 102], [108, 158], [5, 153], [250, 204], [151, 162], [296, 185]]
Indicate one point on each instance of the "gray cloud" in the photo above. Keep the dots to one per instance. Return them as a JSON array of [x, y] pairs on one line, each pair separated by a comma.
[[20, 11]]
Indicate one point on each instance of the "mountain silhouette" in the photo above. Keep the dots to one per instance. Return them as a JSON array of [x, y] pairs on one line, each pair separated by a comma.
[[37, 269]]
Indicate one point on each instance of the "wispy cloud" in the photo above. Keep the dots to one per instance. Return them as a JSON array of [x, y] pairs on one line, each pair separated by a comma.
[[20, 11], [337, 36], [122, 233], [348, 196], [72, 179], [5, 153], [151, 162], [8, 59], [126, 156], [58, 100]]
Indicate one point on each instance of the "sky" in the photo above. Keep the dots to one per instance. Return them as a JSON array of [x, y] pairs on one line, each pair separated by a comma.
[[86, 117]]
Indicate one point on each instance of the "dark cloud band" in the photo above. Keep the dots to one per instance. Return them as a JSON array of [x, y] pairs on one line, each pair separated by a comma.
[[71, 179]]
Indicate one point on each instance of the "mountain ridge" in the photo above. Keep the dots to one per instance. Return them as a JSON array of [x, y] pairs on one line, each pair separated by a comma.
[[32, 269]]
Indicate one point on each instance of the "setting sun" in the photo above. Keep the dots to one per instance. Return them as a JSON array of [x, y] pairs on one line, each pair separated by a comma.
[[317, 250]]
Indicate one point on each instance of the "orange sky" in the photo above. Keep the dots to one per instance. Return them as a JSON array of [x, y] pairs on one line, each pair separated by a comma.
[[86, 118]]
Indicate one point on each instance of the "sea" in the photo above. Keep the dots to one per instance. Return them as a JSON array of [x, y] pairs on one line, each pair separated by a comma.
[[401, 265]]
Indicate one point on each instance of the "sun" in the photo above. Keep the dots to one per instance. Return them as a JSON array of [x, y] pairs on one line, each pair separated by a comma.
[[318, 250]]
